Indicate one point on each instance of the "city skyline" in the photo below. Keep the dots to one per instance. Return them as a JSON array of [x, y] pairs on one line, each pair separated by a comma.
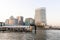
[[27, 8], [18, 21]]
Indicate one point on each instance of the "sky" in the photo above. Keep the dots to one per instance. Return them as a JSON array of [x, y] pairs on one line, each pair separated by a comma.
[[26, 8]]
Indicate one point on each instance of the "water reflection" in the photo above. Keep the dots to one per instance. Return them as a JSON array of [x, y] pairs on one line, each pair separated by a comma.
[[40, 35], [22, 36], [53, 34]]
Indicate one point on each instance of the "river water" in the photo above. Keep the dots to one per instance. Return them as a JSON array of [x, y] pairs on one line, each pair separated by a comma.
[[40, 35]]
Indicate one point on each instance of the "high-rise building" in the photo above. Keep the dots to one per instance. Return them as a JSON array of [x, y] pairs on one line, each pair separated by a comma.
[[15, 21], [7, 22], [20, 20], [29, 21], [40, 16], [11, 21]]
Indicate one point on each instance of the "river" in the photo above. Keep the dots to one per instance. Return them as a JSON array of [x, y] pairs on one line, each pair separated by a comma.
[[40, 35]]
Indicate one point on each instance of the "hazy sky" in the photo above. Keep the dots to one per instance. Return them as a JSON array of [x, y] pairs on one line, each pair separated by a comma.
[[26, 8]]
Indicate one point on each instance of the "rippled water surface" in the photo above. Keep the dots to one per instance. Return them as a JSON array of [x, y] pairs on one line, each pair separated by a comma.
[[53, 34], [40, 35]]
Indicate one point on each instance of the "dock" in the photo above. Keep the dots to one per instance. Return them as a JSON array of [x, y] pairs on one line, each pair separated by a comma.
[[15, 28], [23, 28]]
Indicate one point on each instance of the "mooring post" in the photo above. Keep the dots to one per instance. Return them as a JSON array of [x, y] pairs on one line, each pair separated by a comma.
[[35, 29]]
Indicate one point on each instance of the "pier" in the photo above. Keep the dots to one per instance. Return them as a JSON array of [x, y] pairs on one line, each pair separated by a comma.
[[23, 28], [15, 28]]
